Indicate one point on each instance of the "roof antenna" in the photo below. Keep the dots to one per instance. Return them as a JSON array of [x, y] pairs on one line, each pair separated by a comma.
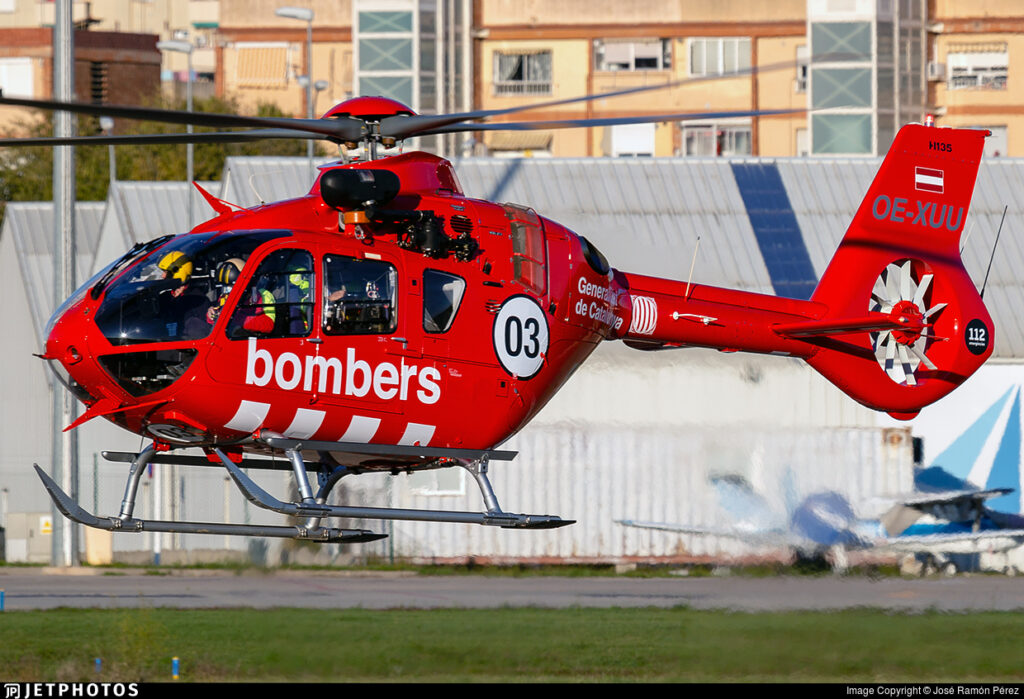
[[692, 263], [1005, 207]]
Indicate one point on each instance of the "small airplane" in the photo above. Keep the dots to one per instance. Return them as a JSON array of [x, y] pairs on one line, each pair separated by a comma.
[[824, 526], [386, 322], [821, 527], [938, 526]]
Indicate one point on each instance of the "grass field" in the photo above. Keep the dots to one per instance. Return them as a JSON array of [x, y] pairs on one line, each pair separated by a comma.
[[511, 645]]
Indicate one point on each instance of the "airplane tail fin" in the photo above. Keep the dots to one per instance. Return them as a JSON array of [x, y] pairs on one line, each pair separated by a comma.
[[905, 324]]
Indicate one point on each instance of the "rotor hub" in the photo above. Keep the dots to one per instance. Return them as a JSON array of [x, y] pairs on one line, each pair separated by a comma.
[[907, 314], [368, 109]]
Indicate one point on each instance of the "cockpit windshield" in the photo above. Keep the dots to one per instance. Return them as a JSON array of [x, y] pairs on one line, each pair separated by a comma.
[[175, 292]]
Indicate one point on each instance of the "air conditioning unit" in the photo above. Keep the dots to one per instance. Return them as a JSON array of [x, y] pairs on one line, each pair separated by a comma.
[[936, 71]]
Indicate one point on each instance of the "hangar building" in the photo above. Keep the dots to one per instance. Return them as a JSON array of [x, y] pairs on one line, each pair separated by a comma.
[[632, 435]]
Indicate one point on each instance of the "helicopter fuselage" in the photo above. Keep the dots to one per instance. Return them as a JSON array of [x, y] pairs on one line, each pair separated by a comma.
[[434, 320]]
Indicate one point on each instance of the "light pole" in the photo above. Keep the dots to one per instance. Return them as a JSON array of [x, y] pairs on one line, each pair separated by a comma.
[[304, 14], [185, 48], [319, 86], [107, 125]]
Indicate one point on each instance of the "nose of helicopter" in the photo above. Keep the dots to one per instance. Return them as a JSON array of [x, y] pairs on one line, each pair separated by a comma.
[[65, 347]]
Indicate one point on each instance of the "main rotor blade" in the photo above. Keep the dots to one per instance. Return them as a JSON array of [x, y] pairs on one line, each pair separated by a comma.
[[400, 127], [604, 121], [162, 138], [342, 129], [423, 124]]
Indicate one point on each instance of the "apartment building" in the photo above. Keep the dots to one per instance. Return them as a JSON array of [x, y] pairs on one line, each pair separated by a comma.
[[976, 69], [862, 67]]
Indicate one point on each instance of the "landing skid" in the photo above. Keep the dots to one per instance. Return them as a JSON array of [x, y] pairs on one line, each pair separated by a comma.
[[71, 509], [312, 508]]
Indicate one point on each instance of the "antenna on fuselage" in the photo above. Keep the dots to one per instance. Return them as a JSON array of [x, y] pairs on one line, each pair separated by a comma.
[[693, 263]]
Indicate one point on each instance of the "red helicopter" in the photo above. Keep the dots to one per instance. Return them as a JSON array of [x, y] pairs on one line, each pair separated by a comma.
[[387, 322]]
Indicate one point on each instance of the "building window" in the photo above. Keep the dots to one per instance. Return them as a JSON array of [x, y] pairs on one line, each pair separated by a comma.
[[841, 42], [719, 56], [98, 82], [643, 54], [996, 144], [716, 139], [633, 140], [522, 73], [977, 66], [16, 78], [802, 69], [262, 64]]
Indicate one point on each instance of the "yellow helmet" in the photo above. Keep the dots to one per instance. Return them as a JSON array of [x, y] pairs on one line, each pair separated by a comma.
[[177, 265]]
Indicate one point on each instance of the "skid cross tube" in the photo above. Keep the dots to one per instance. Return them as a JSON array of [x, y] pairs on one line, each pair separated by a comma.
[[493, 517]]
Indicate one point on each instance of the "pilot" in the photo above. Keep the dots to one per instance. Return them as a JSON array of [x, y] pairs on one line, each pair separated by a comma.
[[182, 305], [176, 265], [297, 297], [226, 275]]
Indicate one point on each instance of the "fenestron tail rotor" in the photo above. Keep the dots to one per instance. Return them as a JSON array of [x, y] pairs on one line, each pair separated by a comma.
[[906, 290]]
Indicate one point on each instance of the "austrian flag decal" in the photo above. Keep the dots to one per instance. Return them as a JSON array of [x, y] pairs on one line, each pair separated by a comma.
[[928, 180]]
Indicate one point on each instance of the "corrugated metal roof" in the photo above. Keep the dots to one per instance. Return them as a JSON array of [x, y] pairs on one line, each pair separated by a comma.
[[145, 210], [30, 225], [824, 195], [646, 214], [254, 180]]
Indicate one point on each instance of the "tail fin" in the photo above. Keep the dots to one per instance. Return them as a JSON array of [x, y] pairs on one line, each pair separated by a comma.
[[895, 321], [901, 257]]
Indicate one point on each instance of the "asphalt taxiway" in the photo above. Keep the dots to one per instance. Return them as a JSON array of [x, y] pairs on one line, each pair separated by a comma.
[[28, 588]]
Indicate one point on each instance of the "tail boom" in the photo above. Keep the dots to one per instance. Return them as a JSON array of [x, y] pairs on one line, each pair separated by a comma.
[[895, 321], [668, 313]]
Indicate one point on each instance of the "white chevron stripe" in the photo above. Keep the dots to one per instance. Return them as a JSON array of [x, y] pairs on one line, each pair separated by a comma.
[[361, 429], [417, 435], [249, 417], [305, 424]]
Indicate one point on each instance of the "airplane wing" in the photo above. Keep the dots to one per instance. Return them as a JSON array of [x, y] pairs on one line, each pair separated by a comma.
[[925, 501], [749, 536], [989, 540]]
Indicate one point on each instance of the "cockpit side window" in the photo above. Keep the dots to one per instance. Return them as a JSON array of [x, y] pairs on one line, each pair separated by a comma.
[[172, 293], [442, 296], [360, 296], [278, 301]]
